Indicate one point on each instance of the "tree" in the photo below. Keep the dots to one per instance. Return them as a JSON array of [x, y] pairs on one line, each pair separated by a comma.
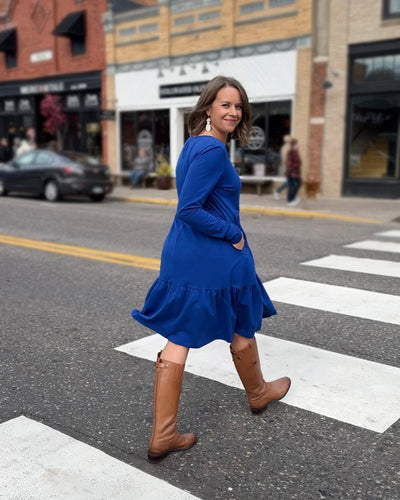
[[51, 109]]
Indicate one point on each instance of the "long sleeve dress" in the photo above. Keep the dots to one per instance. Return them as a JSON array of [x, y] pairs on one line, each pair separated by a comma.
[[206, 289]]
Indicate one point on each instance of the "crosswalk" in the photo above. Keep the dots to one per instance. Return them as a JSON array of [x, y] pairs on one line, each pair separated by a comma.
[[38, 460], [353, 390]]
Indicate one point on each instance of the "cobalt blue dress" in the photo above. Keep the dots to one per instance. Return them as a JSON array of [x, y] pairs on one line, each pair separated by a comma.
[[207, 289]]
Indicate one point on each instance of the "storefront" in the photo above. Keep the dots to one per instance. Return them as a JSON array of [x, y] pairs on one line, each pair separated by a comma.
[[152, 105], [80, 99], [372, 166]]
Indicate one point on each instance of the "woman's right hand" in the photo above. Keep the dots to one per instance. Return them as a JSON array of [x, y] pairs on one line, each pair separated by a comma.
[[239, 245]]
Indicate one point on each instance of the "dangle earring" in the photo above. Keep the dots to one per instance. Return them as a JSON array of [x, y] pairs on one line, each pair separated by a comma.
[[208, 124]]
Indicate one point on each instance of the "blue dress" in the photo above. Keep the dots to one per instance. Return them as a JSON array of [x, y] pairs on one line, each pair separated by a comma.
[[207, 289]]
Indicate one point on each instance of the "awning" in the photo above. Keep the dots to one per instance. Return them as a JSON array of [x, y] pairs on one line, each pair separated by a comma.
[[73, 25], [8, 40]]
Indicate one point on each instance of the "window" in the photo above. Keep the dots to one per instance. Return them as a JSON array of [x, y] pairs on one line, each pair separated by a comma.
[[78, 46], [376, 68], [391, 8], [374, 136], [11, 59], [146, 130]]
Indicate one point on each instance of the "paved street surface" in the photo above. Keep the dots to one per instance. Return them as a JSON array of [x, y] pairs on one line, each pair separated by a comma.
[[76, 372]]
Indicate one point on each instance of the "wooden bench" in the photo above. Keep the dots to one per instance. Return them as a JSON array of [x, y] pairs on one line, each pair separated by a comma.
[[260, 182], [124, 177]]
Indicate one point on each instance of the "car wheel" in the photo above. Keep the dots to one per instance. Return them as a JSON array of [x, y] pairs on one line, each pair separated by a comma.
[[51, 191], [97, 197], [3, 190]]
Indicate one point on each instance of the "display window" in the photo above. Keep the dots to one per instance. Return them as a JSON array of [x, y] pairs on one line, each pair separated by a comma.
[[271, 121], [144, 134]]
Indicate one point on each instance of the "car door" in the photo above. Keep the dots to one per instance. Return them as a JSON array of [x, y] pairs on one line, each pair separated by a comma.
[[29, 177]]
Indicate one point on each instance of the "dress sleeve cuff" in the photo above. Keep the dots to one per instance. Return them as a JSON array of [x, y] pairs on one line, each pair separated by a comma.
[[234, 234]]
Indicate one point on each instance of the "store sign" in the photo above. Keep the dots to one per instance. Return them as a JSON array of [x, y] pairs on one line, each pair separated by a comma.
[[182, 89], [42, 88], [256, 138], [107, 114], [44, 55]]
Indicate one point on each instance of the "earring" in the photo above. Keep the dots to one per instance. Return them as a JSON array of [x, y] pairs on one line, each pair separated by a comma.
[[208, 124]]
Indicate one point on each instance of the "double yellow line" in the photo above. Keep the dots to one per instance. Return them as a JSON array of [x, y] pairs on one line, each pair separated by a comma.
[[85, 253]]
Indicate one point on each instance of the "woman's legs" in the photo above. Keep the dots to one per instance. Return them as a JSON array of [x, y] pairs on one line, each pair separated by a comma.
[[247, 362], [165, 438], [175, 353]]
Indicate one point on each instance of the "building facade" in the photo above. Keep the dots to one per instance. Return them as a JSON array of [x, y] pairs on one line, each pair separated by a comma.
[[360, 118], [160, 57], [57, 48]]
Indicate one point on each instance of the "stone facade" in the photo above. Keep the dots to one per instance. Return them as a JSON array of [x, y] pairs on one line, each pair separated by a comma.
[[350, 22]]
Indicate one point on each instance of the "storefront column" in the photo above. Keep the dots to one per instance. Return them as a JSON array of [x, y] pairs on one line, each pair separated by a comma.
[[176, 127]]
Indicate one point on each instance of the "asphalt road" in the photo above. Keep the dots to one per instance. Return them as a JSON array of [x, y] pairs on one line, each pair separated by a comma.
[[62, 315]]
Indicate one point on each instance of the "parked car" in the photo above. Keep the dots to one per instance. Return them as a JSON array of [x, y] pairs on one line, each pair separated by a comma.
[[56, 174]]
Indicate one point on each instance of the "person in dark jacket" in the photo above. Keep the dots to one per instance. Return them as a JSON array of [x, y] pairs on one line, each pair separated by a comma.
[[293, 173], [5, 152]]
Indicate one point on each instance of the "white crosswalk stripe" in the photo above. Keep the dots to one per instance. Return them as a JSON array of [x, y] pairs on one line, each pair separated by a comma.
[[337, 299], [375, 245], [392, 233], [349, 389], [40, 463], [357, 264]]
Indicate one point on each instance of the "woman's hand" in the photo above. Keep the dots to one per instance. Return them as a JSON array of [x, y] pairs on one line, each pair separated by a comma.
[[239, 245]]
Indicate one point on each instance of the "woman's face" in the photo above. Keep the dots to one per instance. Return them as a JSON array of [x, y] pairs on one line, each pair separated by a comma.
[[225, 112]]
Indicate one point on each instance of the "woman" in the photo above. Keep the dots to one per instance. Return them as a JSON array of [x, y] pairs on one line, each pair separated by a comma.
[[208, 288]]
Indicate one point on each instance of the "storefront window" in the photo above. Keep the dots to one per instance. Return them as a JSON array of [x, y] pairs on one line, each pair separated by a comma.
[[144, 132], [374, 145], [271, 121]]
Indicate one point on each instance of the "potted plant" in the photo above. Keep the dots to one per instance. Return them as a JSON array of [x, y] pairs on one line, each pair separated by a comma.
[[163, 173]]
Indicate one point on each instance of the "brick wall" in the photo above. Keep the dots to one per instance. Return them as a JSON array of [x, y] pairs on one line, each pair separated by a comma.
[[35, 22]]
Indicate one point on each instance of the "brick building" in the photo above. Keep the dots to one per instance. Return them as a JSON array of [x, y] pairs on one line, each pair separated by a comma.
[[47, 46], [357, 119], [158, 57]]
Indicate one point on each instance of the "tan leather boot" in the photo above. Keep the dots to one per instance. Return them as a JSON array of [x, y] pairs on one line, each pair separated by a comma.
[[259, 392], [167, 390]]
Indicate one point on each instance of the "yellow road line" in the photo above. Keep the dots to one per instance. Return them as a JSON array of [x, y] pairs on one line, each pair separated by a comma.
[[82, 252], [305, 214]]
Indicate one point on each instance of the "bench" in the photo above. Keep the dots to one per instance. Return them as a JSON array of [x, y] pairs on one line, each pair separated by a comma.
[[261, 181], [123, 177]]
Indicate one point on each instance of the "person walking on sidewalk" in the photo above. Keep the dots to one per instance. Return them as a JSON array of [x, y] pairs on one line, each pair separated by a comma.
[[208, 288], [283, 154], [293, 173]]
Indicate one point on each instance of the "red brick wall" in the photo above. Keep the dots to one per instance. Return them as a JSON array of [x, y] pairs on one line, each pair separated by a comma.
[[35, 22]]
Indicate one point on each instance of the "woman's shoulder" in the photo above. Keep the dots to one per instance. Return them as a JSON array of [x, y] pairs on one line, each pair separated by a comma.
[[203, 144]]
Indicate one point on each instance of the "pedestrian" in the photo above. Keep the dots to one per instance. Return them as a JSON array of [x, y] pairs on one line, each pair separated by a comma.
[[141, 167], [24, 147], [208, 288], [293, 173], [5, 152], [283, 154]]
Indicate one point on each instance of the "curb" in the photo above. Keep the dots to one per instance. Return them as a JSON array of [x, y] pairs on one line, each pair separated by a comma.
[[305, 214]]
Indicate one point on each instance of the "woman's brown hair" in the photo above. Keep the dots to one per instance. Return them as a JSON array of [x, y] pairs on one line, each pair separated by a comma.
[[197, 118]]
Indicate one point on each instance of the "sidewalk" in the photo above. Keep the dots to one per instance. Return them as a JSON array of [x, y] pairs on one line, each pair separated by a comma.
[[366, 210]]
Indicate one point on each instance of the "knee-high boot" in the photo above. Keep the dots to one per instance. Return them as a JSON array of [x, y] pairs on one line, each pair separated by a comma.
[[167, 390], [259, 392]]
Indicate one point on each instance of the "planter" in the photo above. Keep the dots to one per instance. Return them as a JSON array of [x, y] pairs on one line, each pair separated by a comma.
[[163, 182]]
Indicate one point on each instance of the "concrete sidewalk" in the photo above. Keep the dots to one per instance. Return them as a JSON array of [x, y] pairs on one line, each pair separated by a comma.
[[366, 210]]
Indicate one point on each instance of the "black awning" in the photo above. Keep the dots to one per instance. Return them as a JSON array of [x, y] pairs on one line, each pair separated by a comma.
[[73, 25], [8, 41]]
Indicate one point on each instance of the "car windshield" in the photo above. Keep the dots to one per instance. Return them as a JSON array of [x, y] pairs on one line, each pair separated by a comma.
[[80, 157]]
